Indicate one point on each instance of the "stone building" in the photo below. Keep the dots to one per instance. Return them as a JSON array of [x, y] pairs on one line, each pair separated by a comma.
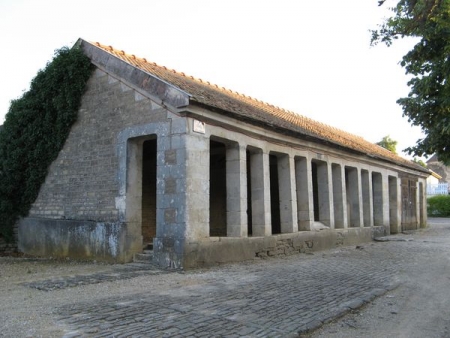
[[439, 168], [209, 175]]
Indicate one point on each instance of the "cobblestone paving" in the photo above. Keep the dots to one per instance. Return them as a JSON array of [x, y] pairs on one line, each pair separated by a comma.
[[126, 272], [279, 297], [275, 300]]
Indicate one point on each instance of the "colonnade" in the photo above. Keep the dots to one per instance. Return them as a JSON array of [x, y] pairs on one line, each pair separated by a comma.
[[268, 192]]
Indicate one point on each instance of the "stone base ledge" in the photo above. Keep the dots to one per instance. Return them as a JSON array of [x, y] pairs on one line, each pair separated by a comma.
[[219, 250], [84, 240]]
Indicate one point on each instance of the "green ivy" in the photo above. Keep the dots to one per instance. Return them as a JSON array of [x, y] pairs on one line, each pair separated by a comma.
[[35, 130]]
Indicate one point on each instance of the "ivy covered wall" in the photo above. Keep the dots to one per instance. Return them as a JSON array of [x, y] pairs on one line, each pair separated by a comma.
[[35, 129]]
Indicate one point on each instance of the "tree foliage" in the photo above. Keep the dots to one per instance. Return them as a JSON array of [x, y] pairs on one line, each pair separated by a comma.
[[388, 143], [428, 102], [35, 129], [420, 162]]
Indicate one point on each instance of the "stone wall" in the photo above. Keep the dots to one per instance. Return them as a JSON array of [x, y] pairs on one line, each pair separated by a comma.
[[82, 182], [95, 184]]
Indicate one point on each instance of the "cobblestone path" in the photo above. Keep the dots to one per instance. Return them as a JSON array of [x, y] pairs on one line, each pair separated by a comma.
[[282, 298], [124, 272]]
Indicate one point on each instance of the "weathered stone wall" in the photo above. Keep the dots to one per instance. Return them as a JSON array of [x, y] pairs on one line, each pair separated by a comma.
[[82, 181], [86, 184]]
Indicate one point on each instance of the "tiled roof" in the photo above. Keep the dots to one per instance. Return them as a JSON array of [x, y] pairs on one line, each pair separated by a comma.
[[256, 111]]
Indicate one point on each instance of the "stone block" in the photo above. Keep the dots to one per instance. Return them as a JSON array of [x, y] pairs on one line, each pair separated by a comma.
[[170, 157], [170, 215]]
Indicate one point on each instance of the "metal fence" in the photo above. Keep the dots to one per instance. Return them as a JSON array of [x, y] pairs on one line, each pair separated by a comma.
[[437, 189]]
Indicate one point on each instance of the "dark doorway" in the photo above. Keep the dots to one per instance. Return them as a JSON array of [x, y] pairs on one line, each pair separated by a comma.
[[148, 192], [218, 189], [249, 194], [315, 185], [274, 195]]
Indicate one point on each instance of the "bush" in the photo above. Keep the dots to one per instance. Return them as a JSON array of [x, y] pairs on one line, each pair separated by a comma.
[[35, 130], [439, 206]]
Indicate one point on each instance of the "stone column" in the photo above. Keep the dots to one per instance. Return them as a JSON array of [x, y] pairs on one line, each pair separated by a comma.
[[367, 198], [305, 205], [197, 188], [260, 183], [385, 192], [422, 203], [330, 195], [354, 198], [236, 168], [417, 206], [339, 196], [395, 204], [288, 198], [378, 199], [324, 192]]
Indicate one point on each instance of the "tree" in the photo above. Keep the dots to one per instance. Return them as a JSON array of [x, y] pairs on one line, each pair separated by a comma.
[[420, 162], [388, 143], [428, 102]]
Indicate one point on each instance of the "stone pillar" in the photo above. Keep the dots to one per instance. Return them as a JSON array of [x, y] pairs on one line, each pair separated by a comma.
[[330, 195], [236, 168], [197, 186], [171, 225], [394, 205], [324, 192], [339, 196], [367, 198], [417, 206], [305, 206], [386, 202], [378, 199], [134, 182], [288, 198], [354, 199], [260, 184], [423, 203]]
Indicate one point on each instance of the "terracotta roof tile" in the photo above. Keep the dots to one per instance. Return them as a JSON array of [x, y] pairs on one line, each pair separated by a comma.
[[252, 109]]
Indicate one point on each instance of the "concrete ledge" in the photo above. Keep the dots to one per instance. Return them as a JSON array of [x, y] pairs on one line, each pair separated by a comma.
[[218, 250], [74, 239]]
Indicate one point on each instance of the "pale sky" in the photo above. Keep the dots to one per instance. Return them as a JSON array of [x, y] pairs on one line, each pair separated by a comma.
[[311, 57]]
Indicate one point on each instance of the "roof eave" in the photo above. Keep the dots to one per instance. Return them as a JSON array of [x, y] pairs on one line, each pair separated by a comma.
[[302, 136]]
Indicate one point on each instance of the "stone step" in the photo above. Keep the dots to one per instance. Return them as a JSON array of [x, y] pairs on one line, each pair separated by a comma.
[[146, 256]]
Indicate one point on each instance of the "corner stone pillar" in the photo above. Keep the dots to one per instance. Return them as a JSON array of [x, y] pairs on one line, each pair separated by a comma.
[[197, 187]]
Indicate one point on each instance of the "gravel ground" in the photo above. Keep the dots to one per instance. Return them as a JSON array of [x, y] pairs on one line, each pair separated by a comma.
[[28, 312]]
